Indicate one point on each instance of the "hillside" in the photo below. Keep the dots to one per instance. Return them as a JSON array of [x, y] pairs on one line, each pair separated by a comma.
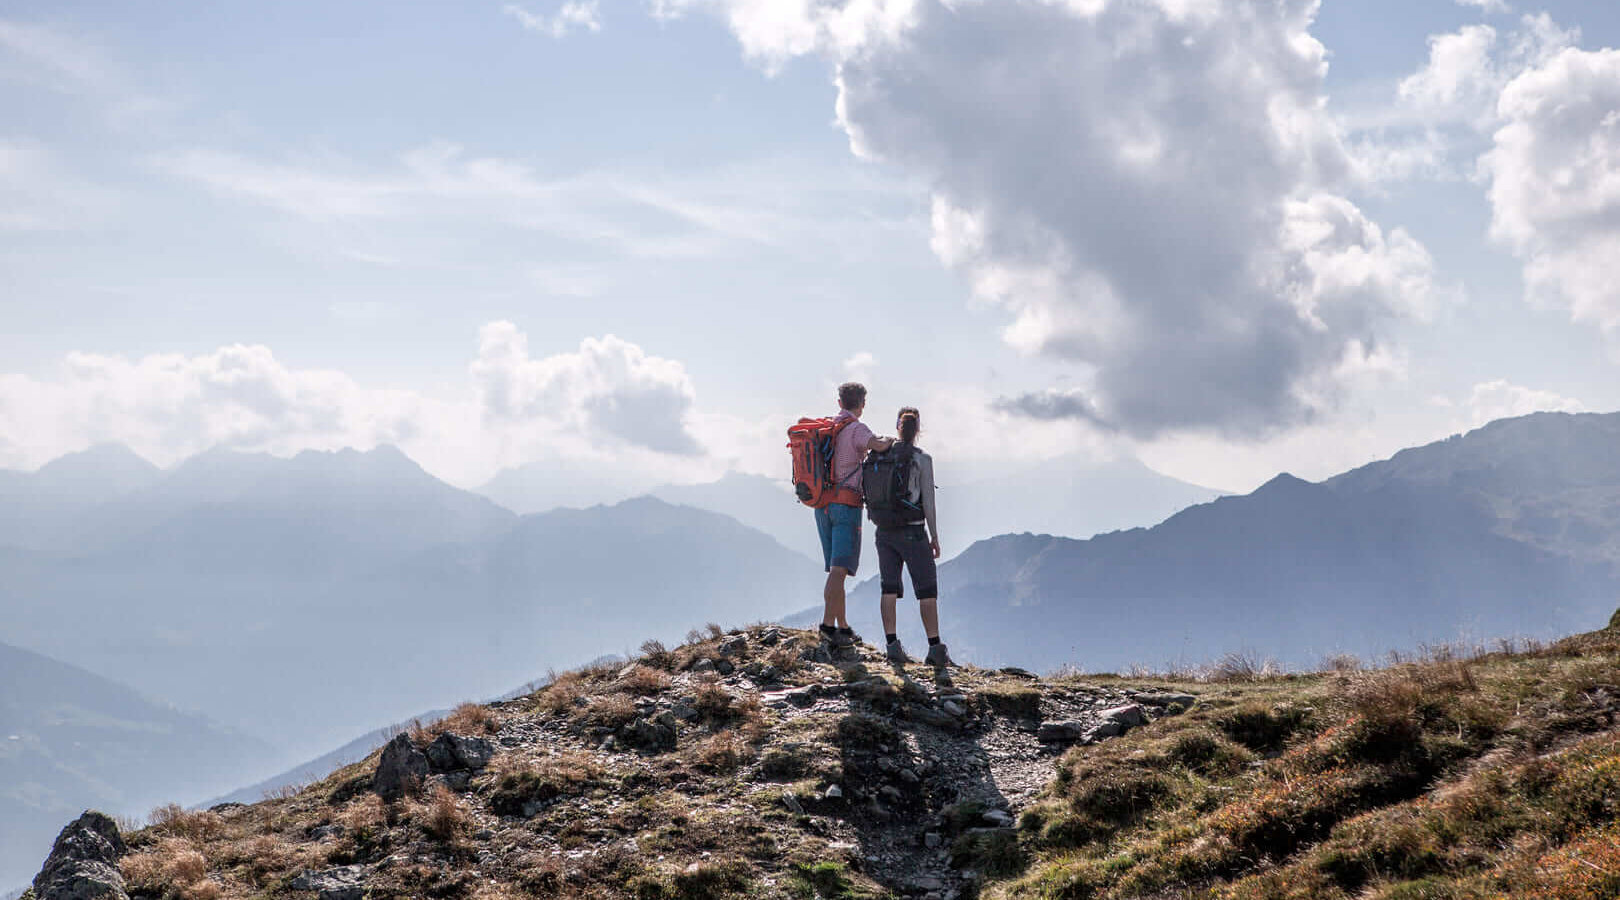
[[70, 739], [744, 764], [1510, 529]]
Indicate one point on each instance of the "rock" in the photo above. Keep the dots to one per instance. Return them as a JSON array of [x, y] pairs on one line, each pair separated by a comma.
[[401, 768], [930, 716], [817, 653], [651, 733], [802, 697], [451, 752], [793, 804], [927, 883], [341, 883], [684, 712], [83, 863], [733, 646], [1016, 672], [769, 675], [998, 818], [1128, 716], [1103, 730], [953, 708], [724, 666], [703, 665], [770, 637], [932, 840], [1185, 701], [834, 792], [1060, 732]]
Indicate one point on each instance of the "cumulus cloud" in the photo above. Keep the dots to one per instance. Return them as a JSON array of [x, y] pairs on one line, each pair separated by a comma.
[[1487, 6], [169, 406], [1148, 188], [575, 15], [607, 407], [1554, 174], [1502, 399], [609, 388]]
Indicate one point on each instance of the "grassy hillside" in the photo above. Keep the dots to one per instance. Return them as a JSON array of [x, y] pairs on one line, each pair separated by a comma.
[[1458, 775]]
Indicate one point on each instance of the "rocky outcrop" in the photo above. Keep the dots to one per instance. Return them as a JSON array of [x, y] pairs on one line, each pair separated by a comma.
[[83, 864], [341, 883], [451, 752], [401, 768]]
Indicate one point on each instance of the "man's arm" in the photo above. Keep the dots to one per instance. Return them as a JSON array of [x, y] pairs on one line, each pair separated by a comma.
[[878, 444]]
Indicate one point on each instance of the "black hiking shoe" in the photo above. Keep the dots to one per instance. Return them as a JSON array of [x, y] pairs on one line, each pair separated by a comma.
[[938, 657], [897, 654]]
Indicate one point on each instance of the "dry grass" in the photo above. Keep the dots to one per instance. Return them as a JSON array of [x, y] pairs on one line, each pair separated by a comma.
[[171, 868], [193, 825], [519, 782], [718, 754], [643, 680], [655, 655], [469, 719], [443, 816], [608, 711]]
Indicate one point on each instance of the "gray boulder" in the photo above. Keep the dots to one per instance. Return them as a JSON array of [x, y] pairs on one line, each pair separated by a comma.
[[1128, 716], [1060, 732], [341, 883], [401, 768], [654, 734], [454, 752], [83, 863]]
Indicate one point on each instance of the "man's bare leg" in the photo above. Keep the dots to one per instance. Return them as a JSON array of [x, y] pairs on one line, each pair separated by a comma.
[[887, 606], [832, 597], [930, 616]]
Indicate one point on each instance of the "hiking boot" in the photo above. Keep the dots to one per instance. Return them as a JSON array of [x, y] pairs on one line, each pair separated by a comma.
[[850, 635], [897, 654], [839, 639], [938, 657]]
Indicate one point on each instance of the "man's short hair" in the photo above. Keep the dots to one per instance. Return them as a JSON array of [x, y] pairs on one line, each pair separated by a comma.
[[851, 395]]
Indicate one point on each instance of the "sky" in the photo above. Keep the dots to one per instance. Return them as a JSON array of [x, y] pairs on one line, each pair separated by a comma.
[[637, 238]]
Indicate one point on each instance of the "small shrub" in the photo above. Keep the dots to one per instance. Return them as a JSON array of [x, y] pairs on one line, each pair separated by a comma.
[[857, 731], [173, 868], [521, 782], [783, 764], [1260, 727], [193, 825], [994, 852], [713, 700], [643, 680], [443, 816], [469, 719], [718, 754], [655, 655], [608, 711]]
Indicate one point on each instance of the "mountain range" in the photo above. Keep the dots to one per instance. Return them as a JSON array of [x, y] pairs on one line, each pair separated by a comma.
[[1510, 530], [1069, 495], [70, 739]]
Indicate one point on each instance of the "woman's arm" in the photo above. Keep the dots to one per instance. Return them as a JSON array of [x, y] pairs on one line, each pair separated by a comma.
[[926, 471]]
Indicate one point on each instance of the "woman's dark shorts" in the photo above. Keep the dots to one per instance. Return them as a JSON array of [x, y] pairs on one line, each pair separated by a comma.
[[909, 546]]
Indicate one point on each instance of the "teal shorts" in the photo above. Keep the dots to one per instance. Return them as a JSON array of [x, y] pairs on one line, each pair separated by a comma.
[[840, 527]]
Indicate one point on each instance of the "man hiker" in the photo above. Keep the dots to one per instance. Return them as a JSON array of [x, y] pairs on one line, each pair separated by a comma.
[[839, 522]]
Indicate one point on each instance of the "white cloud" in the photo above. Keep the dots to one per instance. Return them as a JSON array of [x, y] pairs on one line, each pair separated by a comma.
[[607, 407], [1554, 173], [1487, 6], [1149, 188], [575, 15], [859, 367], [168, 406], [610, 389], [1501, 399], [1460, 80]]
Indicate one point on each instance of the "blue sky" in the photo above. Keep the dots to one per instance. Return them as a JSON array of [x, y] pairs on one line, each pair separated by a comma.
[[302, 225]]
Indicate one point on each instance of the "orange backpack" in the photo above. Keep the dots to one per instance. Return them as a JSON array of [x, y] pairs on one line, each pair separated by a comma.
[[811, 443]]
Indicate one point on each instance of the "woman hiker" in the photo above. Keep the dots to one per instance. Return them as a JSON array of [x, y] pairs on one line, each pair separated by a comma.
[[913, 545]]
